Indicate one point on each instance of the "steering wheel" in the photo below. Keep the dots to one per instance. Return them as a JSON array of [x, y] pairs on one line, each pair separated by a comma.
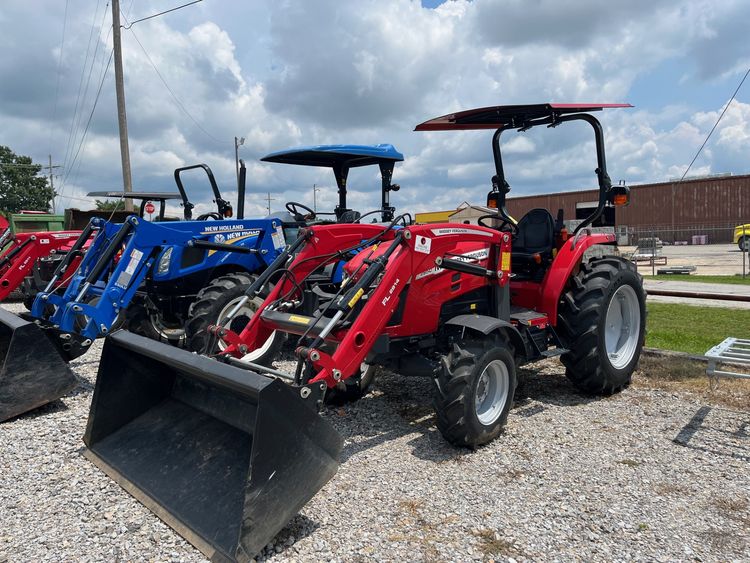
[[292, 206], [513, 228], [213, 215]]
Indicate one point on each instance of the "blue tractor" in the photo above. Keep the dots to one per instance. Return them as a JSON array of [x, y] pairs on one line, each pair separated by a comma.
[[144, 275]]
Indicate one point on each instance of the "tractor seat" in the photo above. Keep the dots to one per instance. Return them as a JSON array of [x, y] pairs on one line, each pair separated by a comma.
[[535, 236]]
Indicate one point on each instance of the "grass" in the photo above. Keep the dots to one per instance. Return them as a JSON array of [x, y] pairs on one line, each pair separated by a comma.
[[685, 328], [687, 377], [490, 543], [732, 280]]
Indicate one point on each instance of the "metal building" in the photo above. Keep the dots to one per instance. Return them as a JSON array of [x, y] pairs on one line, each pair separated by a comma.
[[672, 211]]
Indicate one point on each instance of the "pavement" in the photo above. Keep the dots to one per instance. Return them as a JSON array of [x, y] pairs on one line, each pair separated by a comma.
[[709, 259], [698, 287]]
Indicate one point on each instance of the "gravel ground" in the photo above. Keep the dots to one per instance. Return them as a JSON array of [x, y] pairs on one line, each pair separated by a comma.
[[645, 475]]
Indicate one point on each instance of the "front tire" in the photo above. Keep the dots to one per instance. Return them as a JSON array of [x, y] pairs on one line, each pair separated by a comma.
[[353, 388], [602, 321], [744, 243], [474, 391], [213, 304], [149, 323]]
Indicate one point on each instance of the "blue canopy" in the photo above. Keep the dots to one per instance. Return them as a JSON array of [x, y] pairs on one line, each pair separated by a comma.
[[349, 156]]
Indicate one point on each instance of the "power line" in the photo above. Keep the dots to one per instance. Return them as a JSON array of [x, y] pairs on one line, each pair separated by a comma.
[[180, 105], [59, 72], [75, 123], [726, 107], [73, 169], [88, 123], [160, 13]]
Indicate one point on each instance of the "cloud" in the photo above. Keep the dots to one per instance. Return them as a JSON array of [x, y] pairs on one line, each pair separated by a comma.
[[283, 73]]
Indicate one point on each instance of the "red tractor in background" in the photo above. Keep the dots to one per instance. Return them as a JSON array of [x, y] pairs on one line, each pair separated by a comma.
[[23, 250]]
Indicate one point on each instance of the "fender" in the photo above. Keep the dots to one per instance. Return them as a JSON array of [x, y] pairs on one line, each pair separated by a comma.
[[486, 325], [568, 258]]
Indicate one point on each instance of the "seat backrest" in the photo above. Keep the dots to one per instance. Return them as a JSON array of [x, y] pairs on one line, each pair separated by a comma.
[[535, 232]]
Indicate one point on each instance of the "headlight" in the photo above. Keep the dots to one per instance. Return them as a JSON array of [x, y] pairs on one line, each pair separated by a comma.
[[163, 266]]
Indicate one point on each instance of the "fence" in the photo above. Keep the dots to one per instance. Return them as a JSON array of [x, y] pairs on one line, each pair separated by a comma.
[[687, 234]]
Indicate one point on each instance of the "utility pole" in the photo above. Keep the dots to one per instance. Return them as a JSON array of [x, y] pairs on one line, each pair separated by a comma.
[[237, 142], [269, 199], [316, 189], [51, 180], [121, 116]]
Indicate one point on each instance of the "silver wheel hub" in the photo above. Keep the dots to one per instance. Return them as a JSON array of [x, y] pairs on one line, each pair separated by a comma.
[[492, 392], [622, 326]]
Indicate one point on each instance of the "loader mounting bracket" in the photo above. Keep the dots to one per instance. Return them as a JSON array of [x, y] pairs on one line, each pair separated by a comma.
[[70, 344]]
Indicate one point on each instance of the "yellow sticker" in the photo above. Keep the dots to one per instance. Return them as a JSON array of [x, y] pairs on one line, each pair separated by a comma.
[[356, 297], [505, 262], [473, 306], [298, 319]]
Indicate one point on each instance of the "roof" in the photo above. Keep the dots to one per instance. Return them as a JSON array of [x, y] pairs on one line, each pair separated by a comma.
[[482, 208], [137, 195], [332, 155], [495, 117], [433, 216]]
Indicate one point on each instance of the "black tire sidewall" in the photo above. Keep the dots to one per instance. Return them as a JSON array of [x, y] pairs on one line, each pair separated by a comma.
[[212, 314]]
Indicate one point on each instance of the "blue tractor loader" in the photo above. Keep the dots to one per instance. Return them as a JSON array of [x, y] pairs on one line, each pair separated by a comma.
[[141, 273], [144, 276]]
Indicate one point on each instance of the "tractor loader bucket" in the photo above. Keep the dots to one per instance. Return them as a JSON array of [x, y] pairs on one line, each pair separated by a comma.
[[224, 456], [33, 373]]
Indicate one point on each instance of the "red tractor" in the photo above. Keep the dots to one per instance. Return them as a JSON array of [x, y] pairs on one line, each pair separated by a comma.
[[21, 252], [462, 304]]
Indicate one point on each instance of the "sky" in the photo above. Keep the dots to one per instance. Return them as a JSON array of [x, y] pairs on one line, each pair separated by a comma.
[[284, 73]]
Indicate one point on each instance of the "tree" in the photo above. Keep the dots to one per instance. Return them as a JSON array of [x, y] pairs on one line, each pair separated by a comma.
[[20, 187], [107, 205]]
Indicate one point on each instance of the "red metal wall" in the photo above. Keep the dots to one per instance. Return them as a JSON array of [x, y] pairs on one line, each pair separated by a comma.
[[713, 204]]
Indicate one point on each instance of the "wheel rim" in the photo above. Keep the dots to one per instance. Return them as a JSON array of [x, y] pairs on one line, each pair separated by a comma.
[[238, 322], [492, 392], [622, 326]]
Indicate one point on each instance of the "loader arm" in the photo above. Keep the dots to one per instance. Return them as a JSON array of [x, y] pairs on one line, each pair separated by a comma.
[[322, 245], [414, 250], [382, 273], [25, 249]]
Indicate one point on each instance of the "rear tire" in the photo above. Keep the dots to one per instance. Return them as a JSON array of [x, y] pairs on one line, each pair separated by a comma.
[[602, 321], [744, 243], [474, 391], [213, 303]]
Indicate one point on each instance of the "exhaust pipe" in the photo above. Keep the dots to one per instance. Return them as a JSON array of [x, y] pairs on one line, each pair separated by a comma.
[[33, 373], [223, 455]]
